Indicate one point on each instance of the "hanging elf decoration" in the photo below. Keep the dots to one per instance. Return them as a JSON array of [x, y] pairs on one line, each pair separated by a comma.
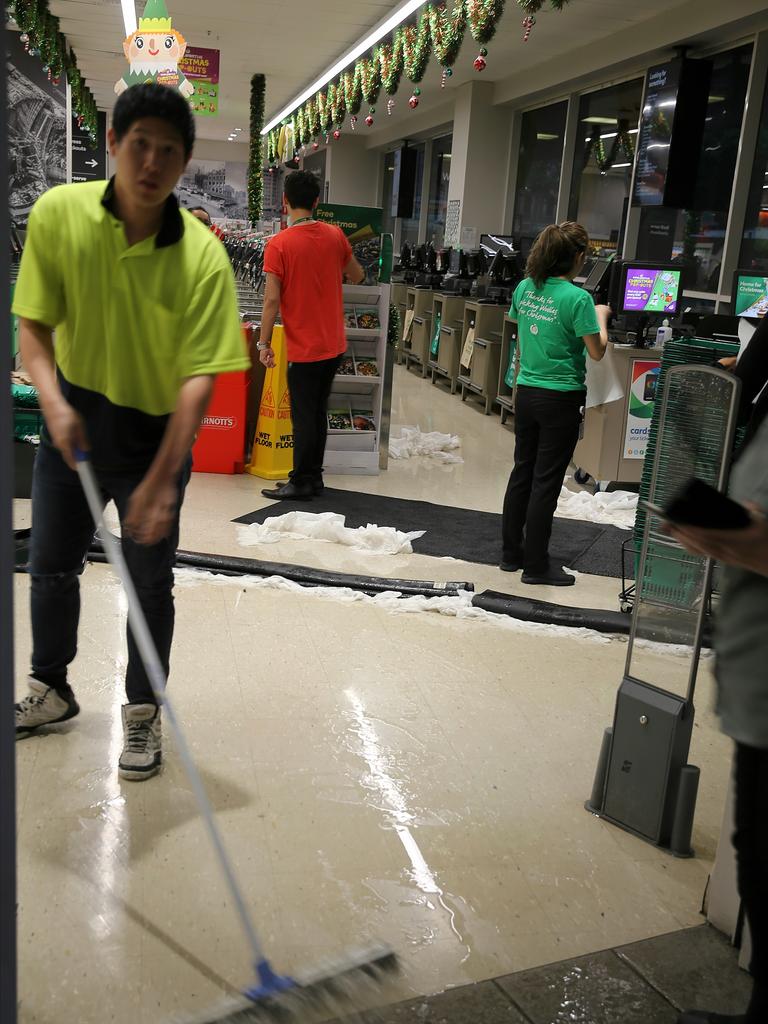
[[154, 51]]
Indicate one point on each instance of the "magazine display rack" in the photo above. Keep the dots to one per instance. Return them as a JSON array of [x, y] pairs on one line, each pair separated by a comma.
[[356, 407]]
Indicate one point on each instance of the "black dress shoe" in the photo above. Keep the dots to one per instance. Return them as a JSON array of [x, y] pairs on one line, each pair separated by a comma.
[[511, 566], [289, 492], [318, 488], [551, 578]]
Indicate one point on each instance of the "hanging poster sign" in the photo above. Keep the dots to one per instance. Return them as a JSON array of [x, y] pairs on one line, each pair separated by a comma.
[[154, 52], [362, 226], [201, 67], [642, 397], [89, 163], [199, 64]]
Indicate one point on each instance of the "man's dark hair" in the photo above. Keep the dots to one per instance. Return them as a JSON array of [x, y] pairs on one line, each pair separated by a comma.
[[302, 190], [153, 100], [200, 209]]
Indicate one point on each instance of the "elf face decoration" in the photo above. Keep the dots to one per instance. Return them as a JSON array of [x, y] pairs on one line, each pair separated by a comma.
[[154, 51]]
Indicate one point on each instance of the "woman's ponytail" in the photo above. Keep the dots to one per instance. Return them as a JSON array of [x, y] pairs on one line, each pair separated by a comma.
[[554, 252]]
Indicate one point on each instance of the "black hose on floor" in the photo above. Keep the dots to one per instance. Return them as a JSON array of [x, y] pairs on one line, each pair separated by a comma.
[[230, 565], [529, 610]]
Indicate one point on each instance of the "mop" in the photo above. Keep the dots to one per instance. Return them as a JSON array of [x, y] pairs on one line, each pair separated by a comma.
[[272, 995]]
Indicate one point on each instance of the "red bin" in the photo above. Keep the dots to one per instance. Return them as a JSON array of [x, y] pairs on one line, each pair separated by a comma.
[[220, 444]]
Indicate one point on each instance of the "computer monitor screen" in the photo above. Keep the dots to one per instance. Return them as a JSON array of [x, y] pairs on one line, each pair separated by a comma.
[[750, 295], [596, 274], [651, 289], [490, 245]]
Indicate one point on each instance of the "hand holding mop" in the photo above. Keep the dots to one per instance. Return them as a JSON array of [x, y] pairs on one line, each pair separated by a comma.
[[272, 993]]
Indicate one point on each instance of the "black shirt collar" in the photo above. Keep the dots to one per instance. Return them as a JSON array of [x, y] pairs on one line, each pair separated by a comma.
[[172, 227]]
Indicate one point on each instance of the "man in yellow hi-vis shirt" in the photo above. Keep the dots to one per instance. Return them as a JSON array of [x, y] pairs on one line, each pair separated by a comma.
[[142, 299]]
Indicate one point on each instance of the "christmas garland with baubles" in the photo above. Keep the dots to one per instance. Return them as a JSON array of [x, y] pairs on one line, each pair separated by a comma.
[[437, 31], [41, 38]]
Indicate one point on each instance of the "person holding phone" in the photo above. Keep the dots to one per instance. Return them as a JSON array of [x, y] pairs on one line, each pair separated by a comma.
[[558, 326], [741, 647]]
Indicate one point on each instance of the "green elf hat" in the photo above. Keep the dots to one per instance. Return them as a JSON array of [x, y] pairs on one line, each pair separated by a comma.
[[155, 17]]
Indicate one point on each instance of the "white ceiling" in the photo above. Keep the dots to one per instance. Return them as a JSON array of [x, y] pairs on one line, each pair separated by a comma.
[[293, 41]]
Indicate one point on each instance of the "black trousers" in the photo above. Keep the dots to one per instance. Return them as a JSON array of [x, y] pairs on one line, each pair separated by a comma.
[[547, 425], [310, 385], [62, 530], [751, 842]]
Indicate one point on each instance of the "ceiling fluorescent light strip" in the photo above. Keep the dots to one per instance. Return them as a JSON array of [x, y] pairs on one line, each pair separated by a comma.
[[129, 16], [400, 15]]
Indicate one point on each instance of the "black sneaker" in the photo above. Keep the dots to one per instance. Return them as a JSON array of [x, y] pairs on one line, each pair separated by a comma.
[[551, 578], [43, 706]]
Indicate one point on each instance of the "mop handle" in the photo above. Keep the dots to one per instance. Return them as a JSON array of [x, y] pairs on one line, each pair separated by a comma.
[[156, 675]]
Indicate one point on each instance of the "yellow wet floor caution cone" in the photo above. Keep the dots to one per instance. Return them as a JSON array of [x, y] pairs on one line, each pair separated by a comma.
[[272, 455]]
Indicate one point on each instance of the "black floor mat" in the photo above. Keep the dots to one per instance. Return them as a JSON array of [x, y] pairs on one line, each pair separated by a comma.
[[462, 533]]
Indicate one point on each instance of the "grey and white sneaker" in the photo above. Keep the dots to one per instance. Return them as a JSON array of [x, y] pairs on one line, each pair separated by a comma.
[[43, 706], [142, 742]]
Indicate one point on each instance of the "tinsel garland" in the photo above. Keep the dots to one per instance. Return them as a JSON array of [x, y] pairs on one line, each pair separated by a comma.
[[256, 156], [407, 52], [35, 20], [622, 142], [417, 47], [394, 325]]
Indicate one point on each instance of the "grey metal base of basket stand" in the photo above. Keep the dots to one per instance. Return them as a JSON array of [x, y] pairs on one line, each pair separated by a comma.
[[644, 783]]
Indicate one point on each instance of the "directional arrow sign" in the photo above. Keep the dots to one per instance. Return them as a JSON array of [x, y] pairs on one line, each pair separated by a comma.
[[89, 164]]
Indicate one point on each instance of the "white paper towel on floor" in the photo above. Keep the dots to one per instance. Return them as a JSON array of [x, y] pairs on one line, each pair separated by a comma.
[[413, 441], [330, 527], [614, 508]]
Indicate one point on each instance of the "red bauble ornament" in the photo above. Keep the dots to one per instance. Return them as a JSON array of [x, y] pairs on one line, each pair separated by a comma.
[[369, 121], [413, 102], [528, 24], [337, 133], [480, 63], [315, 145]]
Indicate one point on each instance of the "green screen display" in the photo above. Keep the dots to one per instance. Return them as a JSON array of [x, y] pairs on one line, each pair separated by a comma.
[[751, 296]]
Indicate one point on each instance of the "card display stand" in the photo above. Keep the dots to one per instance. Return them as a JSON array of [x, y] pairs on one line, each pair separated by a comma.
[[360, 395], [416, 348], [506, 394], [481, 378], [448, 311]]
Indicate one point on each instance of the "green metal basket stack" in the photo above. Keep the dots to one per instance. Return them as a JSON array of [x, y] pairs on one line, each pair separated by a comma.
[[684, 352]]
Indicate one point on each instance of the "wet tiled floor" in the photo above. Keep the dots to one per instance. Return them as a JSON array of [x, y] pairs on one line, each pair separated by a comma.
[[648, 982]]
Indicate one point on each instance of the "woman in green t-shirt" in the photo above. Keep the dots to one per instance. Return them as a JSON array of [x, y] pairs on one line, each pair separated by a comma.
[[558, 324]]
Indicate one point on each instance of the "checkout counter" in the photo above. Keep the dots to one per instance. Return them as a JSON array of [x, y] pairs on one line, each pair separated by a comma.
[[620, 393]]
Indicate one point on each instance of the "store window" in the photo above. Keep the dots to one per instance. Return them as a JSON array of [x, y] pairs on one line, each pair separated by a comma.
[[754, 249], [602, 172], [696, 237], [539, 166], [410, 232], [439, 180]]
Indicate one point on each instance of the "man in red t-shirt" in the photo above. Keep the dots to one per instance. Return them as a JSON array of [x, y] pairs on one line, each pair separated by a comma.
[[305, 266]]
